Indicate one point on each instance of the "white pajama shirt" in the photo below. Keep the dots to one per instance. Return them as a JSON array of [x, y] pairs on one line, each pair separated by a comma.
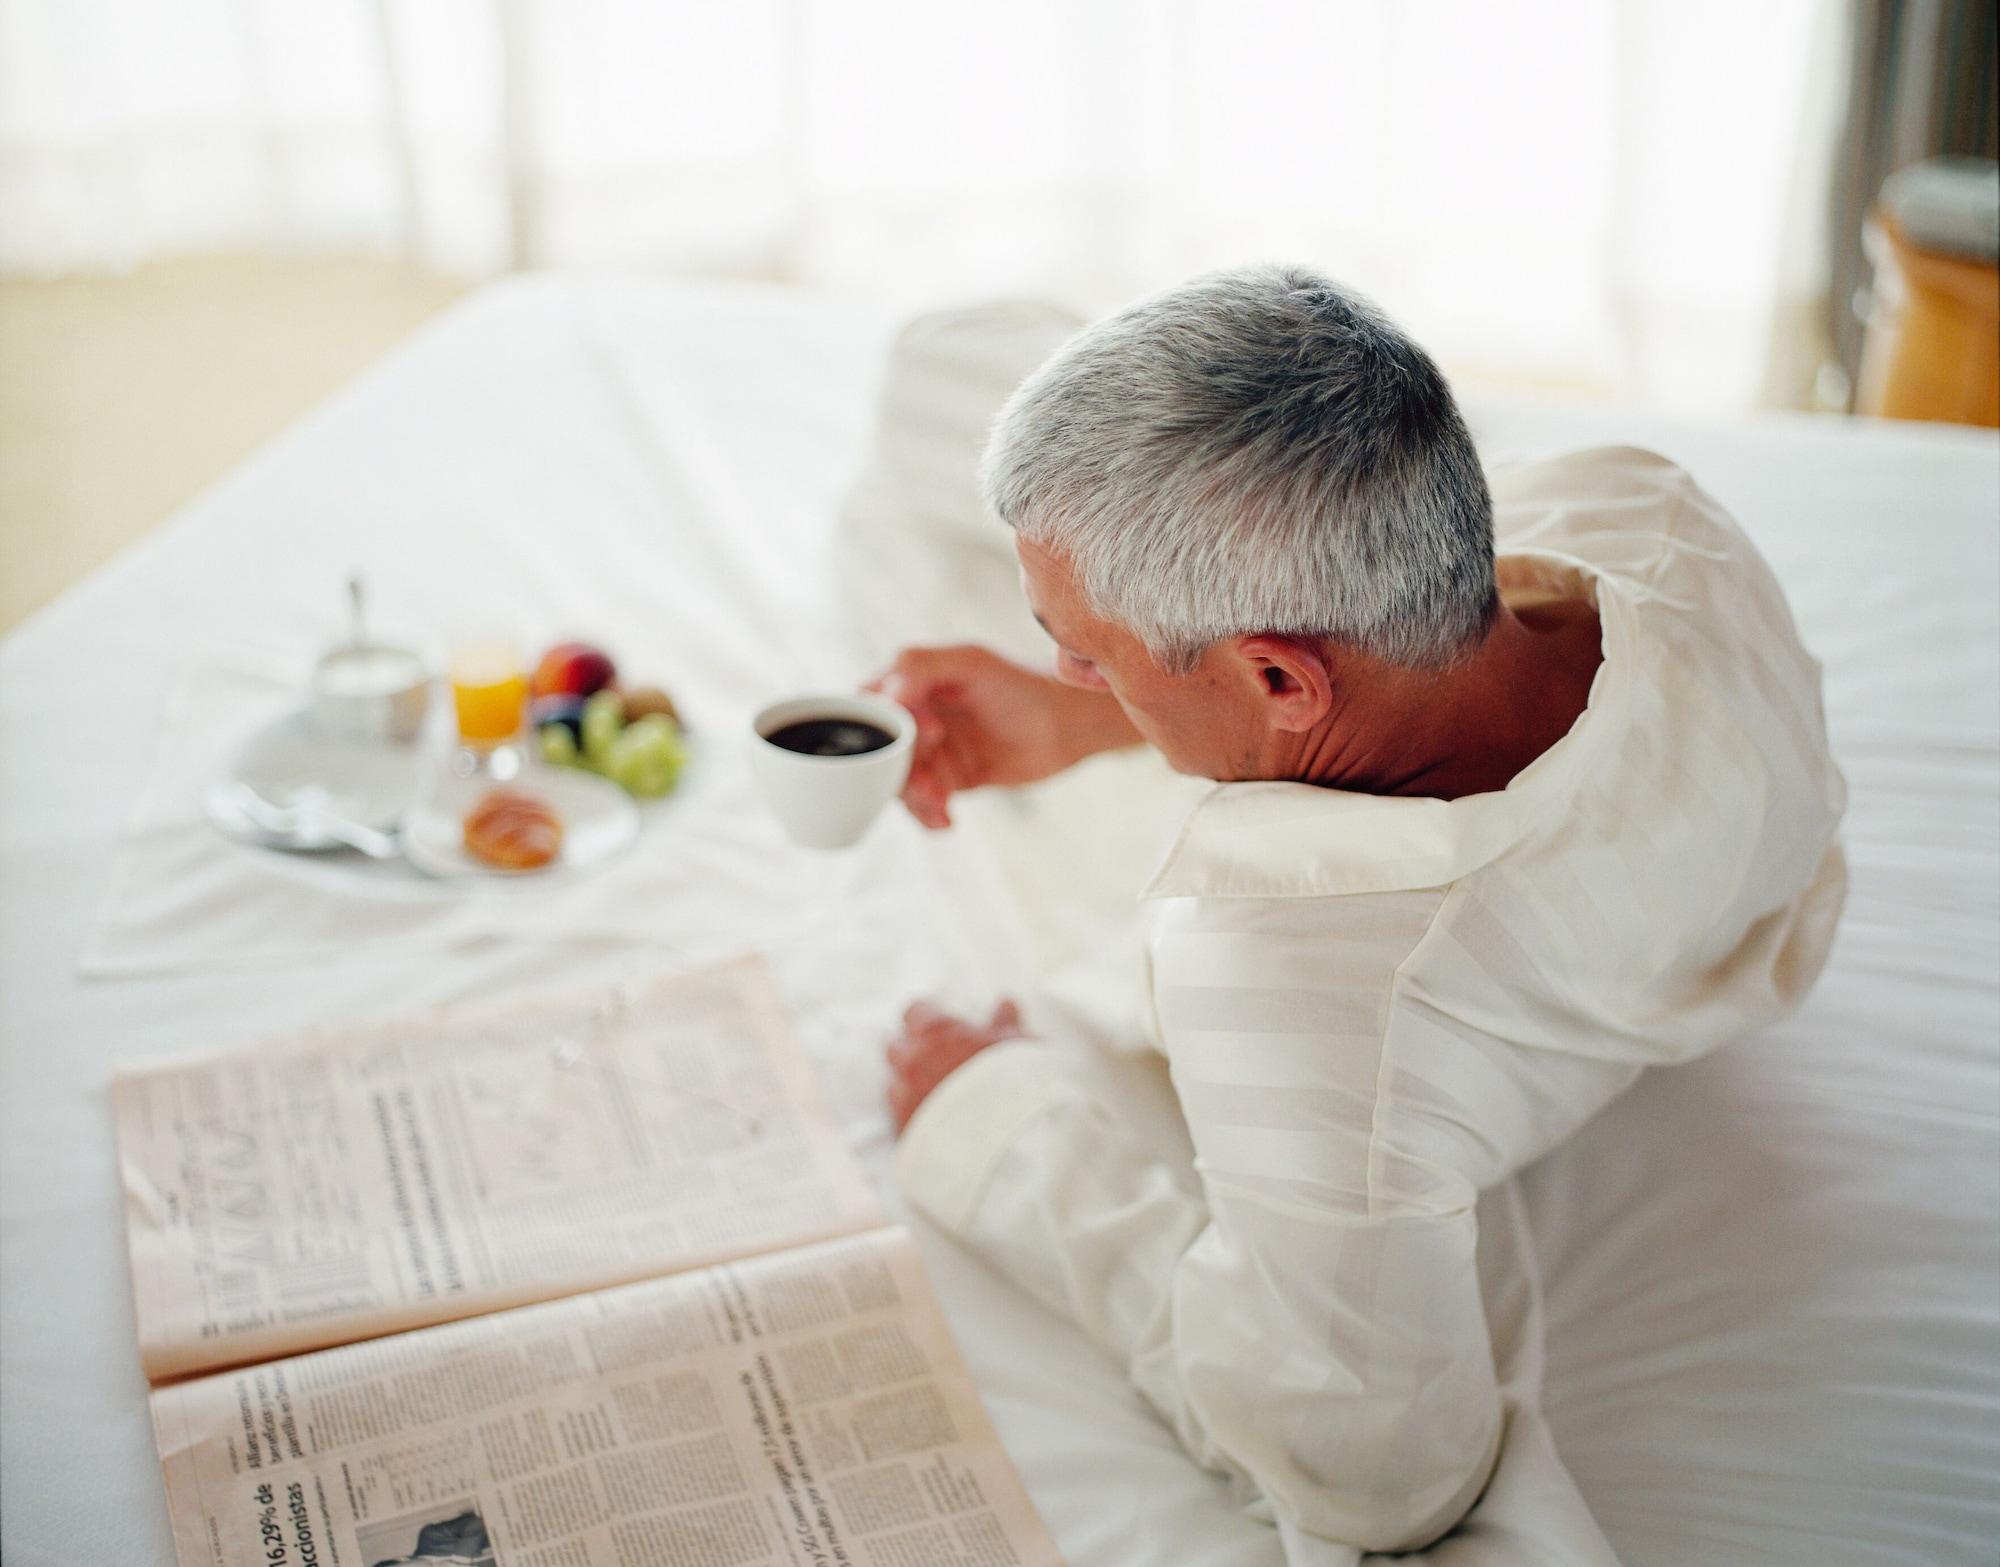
[[1374, 1008]]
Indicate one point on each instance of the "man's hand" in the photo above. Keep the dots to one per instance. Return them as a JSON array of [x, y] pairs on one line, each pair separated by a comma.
[[983, 719], [935, 1044]]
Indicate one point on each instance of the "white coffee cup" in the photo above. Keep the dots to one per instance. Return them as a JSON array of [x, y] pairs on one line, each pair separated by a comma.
[[370, 691], [827, 802]]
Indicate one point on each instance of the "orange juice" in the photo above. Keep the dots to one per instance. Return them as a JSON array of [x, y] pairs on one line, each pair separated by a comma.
[[489, 689]]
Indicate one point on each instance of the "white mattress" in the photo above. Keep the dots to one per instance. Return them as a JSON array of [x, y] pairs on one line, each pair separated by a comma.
[[1774, 1331]]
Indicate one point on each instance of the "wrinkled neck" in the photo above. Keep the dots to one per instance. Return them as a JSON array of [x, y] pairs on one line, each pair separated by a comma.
[[1466, 729]]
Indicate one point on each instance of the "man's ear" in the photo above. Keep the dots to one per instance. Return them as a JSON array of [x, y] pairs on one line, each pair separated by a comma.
[[1294, 677]]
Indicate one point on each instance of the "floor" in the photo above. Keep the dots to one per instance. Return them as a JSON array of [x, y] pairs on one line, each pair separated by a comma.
[[122, 397]]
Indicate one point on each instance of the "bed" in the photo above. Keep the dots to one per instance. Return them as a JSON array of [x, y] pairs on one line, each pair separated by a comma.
[[1772, 1277]]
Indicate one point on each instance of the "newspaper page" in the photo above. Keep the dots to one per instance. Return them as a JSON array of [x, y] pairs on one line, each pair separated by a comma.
[[802, 1409], [344, 1185]]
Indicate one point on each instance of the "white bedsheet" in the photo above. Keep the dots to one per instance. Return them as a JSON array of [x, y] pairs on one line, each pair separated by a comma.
[[1774, 1332]]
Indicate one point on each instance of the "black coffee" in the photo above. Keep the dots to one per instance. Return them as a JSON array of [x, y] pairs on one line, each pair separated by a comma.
[[830, 737]]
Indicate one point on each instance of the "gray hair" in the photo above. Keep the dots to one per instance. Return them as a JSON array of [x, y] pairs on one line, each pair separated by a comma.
[[1257, 451]]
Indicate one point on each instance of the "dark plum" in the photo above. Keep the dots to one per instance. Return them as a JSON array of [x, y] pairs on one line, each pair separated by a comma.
[[559, 709]]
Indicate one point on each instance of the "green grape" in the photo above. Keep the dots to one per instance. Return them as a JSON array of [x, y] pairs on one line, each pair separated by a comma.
[[558, 745], [603, 720], [646, 759]]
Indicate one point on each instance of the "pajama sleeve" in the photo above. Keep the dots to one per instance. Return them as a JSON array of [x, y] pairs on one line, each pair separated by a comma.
[[1302, 1304]]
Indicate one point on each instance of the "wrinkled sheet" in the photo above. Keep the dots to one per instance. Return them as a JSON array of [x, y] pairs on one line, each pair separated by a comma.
[[1770, 1277]]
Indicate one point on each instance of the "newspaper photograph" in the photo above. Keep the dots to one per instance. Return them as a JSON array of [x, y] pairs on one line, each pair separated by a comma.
[[802, 1409], [345, 1185]]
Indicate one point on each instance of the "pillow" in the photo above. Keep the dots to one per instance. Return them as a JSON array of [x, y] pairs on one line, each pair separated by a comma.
[[916, 556]]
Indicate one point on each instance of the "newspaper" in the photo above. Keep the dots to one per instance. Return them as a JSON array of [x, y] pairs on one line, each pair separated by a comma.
[[801, 1409], [342, 1186], [594, 1282]]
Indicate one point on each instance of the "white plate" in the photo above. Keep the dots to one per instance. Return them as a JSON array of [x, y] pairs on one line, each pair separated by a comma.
[[373, 782], [599, 822]]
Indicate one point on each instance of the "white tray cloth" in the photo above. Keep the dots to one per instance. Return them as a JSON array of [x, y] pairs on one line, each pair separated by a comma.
[[1771, 1275], [182, 896]]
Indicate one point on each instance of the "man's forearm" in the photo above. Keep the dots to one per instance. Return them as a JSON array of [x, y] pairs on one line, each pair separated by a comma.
[[1376, 1429]]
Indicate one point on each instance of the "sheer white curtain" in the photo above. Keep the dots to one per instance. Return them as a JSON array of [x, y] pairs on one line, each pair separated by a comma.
[[1606, 194]]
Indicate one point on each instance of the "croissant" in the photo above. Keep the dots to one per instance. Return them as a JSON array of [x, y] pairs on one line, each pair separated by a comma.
[[512, 830]]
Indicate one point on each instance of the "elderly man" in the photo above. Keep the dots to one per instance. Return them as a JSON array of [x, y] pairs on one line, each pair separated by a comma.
[[1490, 834]]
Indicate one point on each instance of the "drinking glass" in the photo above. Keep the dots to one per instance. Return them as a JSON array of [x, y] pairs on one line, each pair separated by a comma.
[[489, 694]]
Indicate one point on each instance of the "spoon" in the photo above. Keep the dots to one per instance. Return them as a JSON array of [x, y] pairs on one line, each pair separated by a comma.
[[310, 819], [357, 627]]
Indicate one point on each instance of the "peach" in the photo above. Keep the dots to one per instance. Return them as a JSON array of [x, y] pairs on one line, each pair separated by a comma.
[[572, 669]]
